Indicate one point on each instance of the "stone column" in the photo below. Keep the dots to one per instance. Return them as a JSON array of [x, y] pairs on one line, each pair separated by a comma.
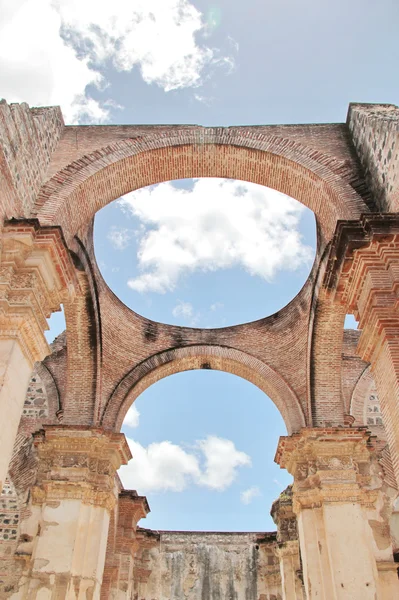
[[131, 508], [75, 491], [36, 275], [288, 546], [363, 275], [332, 493]]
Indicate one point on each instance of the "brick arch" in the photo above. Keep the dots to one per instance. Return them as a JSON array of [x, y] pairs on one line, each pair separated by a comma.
[[218, 358], [73, 195], [360, 394]]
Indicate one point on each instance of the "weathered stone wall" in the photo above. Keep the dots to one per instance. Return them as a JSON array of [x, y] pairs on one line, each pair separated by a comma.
[[375, 133], [207, 566], [28, 138]]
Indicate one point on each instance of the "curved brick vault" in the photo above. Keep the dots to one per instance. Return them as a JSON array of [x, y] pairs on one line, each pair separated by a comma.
[[129, 352], [114, 353], [100, 165], [76, 192], [57, 176]]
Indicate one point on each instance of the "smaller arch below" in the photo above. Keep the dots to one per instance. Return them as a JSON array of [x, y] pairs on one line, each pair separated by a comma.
[[229, 360]]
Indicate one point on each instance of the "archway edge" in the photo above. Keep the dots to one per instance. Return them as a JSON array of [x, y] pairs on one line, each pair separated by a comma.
[[74, 194], [359, 396], [219, 358]]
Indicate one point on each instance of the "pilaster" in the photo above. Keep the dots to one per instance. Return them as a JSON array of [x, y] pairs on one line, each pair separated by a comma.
[[363, 275], [332, 494], [147, 540], [75, 492], [36, 276], [288, 551], [118, 572]]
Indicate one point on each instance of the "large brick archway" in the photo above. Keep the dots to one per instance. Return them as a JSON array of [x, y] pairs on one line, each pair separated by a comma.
[[218, 358], [93, 166], [76, 192]]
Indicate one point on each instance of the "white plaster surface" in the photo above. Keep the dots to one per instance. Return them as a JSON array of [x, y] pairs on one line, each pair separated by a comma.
[[15, 371], [72, 545]]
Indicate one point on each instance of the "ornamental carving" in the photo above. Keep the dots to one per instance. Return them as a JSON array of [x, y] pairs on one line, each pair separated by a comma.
[[334, 463], [331, 465], [79, 464], [36, 276]]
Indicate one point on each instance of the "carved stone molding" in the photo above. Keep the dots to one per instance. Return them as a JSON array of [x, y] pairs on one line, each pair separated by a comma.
[[363, 274], [36, 275], [78, 463], [329, 465], [284, 517]]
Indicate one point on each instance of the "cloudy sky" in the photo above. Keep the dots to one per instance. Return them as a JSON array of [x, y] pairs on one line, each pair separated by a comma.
[[202, 253]]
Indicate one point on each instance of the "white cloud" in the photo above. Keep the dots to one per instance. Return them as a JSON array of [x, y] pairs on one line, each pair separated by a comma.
[[183, 309], [159, 467], [38, 67], [164, 466], [207, 100], [248, 495], [52, 50], [221, 462], [217, 225], [132, 417], [119, 237]]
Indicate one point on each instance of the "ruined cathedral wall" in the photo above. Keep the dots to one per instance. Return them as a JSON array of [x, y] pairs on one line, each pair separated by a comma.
[[374, 130], [194, 566], [28, 138]]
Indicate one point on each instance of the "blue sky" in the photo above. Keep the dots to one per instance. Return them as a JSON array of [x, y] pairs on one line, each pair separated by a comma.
[[203, 441]]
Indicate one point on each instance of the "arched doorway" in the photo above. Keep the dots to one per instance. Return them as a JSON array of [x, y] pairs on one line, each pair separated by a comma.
[[203, 444]]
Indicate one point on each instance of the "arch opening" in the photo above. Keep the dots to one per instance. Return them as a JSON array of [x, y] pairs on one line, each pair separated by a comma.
[[205, 253], [204, 444], [56, 325], [206, 357]]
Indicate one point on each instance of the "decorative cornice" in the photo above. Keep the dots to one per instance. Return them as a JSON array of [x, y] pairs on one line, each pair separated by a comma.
[[131, 508], [284, 517], [57, 491], [330, 448], [351, 236], [36, 275], [362, 274], [138, 505], [329, 465], [79, 463]]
